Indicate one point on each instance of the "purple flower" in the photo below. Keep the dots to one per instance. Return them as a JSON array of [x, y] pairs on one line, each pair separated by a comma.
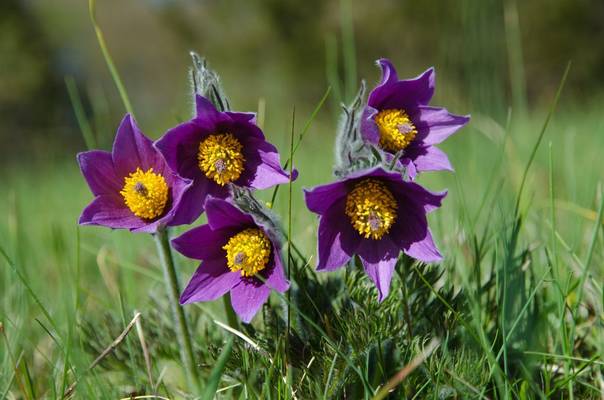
[[373, 214], [397, 117], [133, 186], [234, 248], [216, 148]]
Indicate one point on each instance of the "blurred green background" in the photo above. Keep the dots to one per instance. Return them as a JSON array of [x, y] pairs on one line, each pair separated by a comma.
[[489, 55]]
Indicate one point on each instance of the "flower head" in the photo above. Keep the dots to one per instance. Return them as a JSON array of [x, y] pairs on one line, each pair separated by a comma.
[[235, 250], [375, 215], [397, 118], [217, 148], [133, 186]]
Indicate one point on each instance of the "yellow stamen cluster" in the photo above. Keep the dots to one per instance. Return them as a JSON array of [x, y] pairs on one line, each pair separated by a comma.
[[248, 251], [145, 193], [220, 158], [371, 208], [396, 129]]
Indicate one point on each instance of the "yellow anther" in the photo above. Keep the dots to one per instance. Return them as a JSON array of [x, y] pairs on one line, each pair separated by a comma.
[[396, 129], [248, 251], [220, 158], [145, 193], [371, 208]]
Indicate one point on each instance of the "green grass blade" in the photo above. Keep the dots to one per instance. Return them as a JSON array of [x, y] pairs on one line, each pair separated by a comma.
[[590, 251], [307, 125], [29, 288], [109, 60], [540, 138], [331, 69], [330, 375], [217, 371], [349, 49], [289, 236], [78, 109]]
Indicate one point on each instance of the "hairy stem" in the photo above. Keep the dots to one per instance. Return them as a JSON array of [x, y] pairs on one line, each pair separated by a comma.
[[180, 321]]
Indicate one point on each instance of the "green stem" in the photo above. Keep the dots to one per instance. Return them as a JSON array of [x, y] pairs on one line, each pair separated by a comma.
[[180, 321], [406, 312]]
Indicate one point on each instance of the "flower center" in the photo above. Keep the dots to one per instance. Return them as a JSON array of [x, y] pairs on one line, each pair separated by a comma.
[[396, 129], [371, 208], [145, 193], [220, 158], [248, 251]]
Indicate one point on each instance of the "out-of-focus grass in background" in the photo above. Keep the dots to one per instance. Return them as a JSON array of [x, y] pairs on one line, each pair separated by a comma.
[[489, 54], [500, 60]]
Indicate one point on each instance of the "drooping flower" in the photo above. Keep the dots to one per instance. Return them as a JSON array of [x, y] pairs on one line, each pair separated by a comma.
[[375, 215], [217, 148], [235, 250], [398, 118], [133, 186]]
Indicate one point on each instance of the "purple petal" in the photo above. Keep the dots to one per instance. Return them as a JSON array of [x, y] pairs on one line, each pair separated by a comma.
[[177, 215], [389, 74], [222, 214], [247, 298], [276, 277], [411, 233], [436, 124], [242, 117], [337, 239], [405, 94], [132, 149], [369, 129], [262, 165], [211, 280], [205, 109], [379, 258], [409, 168], [426, 199], [97, 168], [429, 158], [110, 211], [320, 198], [179, 146], [191, 205], [217, 191], [375, 172], [424, 249], [202, 243]]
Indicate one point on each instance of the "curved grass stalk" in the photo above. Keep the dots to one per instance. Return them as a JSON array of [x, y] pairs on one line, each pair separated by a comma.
[[108, 59]]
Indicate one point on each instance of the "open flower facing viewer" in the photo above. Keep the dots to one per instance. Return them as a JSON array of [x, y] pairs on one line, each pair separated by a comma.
[[133, 186], [375, 215], [234, 250], [217, 148]]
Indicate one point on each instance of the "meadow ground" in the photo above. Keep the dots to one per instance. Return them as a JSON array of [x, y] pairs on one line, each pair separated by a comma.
[[517, 305]]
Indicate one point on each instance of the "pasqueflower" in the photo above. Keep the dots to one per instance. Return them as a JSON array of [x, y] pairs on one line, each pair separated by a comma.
[[133, 186], [398, 118], [238, 255], [375, 215], [217, 148]]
